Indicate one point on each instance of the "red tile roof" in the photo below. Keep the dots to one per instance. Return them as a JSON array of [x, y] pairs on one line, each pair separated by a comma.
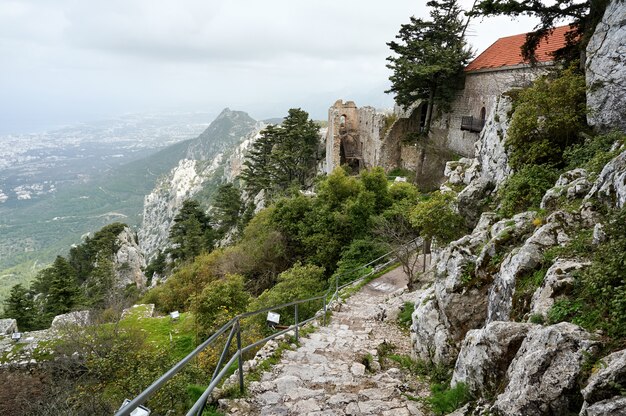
[[507, 51]]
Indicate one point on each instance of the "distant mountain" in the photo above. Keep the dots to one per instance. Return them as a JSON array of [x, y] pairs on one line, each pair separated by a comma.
[[30, 237]]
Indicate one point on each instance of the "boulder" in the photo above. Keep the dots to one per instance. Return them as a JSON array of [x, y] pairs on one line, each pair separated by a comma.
[[471, 200], [543, 377], [603, 393], [610, 187], [486, 354], [606, 70], [558, 281], [429, 331], [570, 185], [129, 261], [462, 171], [77, 318], [8, 326]]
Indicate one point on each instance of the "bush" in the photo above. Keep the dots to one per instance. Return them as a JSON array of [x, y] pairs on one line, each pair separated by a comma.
[[524, 189], [435, 218], [359, 252], [405, 317], [548, 117], [595, 152]]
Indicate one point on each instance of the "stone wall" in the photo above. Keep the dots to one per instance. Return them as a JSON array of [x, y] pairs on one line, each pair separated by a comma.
[[482, 89], [353, 136]]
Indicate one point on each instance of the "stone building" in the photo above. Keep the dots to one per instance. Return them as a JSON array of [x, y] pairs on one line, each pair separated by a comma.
[[362, 137]]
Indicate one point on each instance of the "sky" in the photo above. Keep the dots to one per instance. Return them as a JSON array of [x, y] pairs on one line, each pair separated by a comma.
[[66, 61]]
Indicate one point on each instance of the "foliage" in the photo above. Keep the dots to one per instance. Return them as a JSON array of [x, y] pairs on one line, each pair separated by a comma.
[[598, 300], [444, 399], [299, 282], [191, 232], [525, 188], [585, 15], [228, 208], [548, 117], [594, 152], [435, 218], [219, 302], [430, 57], [405, 317], [359, 252], [21, 306], [283, 156]]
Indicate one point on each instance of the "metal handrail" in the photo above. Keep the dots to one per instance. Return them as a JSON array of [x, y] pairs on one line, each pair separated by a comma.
[[235, 327]]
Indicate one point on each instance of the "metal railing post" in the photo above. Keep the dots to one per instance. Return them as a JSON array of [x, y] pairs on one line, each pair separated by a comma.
[[324, 319], [240, 358], [296, 315]]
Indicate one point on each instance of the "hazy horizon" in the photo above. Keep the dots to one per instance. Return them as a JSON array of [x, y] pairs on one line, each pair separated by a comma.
[[72, 62]]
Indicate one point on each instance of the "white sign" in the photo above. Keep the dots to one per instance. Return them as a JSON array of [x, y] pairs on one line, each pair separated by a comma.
[[273, 317], [139, 410], [16, 335], [175, 315]]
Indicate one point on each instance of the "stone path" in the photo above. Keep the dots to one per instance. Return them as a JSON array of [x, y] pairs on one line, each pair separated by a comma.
[[326, 375]]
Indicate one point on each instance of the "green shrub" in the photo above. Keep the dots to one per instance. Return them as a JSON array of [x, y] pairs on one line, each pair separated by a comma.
[[524, 189], [436, 218], [444, 400], [548, 117], [359, 252], [595, 152], [406, 313]]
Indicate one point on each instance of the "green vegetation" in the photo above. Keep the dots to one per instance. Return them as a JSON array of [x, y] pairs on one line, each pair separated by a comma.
[[524, 189], [405, 315], [594, 152], [435, 218], [445, 399], [548, 117], [598, 300], [429, 58]]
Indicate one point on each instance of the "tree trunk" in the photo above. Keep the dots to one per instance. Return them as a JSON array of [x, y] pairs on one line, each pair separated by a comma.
[[429, 111]]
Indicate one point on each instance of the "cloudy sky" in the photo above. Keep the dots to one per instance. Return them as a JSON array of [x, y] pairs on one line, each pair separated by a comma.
[[77, 60]]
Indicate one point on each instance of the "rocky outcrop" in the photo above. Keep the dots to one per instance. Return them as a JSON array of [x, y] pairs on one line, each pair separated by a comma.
[[570, 185], [558, 281], [606, 70], [8, 326], [525, 259], [490, 151], [78, 318], [486, 354], [610, 187], [162, 205], [445, 312], [604, 393], [129, 261], [543, 377]]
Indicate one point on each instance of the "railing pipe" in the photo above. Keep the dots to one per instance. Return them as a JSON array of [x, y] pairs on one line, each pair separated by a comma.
[[240, 355], [296, 321]]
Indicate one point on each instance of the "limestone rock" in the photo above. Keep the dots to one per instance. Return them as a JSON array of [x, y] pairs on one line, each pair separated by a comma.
[[543, 377], [606, 70], [471, 200], [486, 354], [525, 259], [462, 171], [599, 236], [610, 187], [77, 318], [8, 326], [129, 261], [603, 393], [490, 150], [558, 281], [446, 311], [571, 185]]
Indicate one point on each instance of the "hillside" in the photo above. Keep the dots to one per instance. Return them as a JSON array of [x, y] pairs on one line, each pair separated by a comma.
[[34, 235]]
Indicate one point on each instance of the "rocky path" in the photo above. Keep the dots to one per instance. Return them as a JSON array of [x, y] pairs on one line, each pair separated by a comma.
[[326, 375]]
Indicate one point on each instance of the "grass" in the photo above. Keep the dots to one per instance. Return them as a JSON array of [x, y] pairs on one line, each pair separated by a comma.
[[162, 332], [445, 399], [405, 316]]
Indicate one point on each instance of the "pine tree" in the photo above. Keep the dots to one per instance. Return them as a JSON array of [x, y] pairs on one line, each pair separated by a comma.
[[63, 291], [21, 306], [191, 233], [256, 175], [430, 57]]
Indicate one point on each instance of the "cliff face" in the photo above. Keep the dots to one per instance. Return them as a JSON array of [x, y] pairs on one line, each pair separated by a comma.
[[215, 156], [129, 261], [472, 317]]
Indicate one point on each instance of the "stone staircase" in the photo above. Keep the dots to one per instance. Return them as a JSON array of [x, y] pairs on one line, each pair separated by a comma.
[[337, 369]]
